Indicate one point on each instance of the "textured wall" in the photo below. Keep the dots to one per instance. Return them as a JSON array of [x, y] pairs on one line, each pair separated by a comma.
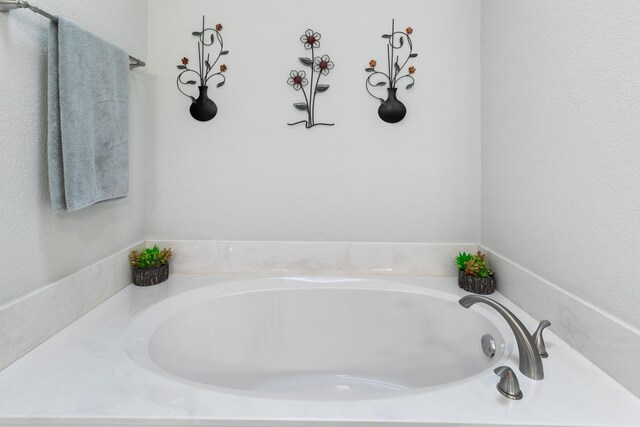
[[560, 144], [37, 246], [246, 175]]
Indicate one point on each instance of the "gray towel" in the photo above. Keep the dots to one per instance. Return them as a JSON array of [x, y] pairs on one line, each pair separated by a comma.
[[88, 100]]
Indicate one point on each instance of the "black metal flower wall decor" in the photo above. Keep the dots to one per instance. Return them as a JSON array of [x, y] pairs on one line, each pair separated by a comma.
[[399, 48], [318, 66], [202, 108]]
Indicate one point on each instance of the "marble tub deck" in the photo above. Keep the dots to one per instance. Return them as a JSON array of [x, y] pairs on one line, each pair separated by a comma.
[[84, 376]]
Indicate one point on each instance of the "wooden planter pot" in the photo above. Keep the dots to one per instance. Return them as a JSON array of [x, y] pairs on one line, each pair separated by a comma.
[[477, 285], [151, 276]]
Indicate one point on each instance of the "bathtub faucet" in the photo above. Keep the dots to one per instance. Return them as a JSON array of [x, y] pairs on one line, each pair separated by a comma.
[[530, 361]]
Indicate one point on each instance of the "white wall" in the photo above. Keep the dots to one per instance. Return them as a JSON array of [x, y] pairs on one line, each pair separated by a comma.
[[560, 144], [246, 175], [37, 246]]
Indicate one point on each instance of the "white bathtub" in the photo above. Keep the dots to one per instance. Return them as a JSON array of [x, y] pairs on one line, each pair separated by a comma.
[[223, 350], [315, 339]]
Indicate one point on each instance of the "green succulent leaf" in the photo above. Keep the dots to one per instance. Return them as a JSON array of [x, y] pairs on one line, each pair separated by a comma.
[[462, 259]]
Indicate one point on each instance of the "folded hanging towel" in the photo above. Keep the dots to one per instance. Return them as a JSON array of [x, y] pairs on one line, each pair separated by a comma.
[[88, 99]]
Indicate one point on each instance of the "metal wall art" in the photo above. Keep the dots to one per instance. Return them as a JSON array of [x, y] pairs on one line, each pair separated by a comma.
[[202, 108], [319, 66], [399, 48]]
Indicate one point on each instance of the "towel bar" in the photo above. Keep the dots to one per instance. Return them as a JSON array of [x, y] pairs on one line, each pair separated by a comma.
[[9, 5]]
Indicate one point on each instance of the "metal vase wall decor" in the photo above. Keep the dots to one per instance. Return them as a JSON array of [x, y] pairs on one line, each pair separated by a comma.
[[202, 108], [319, 66], [399, 48]]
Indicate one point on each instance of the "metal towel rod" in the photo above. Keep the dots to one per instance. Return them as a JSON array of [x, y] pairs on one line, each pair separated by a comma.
[[9, 5]]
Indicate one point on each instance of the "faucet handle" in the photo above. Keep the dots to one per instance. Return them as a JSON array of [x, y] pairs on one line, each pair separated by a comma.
[[537, 338], [508, 386]]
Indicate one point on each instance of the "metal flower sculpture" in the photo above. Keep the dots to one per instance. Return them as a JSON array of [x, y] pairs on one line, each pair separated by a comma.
[[318, 66], [204, 109], [391, 110]]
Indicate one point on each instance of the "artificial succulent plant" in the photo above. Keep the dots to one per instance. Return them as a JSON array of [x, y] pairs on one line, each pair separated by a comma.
[[473, 265], [150, 257]]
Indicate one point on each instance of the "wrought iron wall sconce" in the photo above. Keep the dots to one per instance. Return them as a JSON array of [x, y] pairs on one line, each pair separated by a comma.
[[319, 66], [202, 108], [399, 47]]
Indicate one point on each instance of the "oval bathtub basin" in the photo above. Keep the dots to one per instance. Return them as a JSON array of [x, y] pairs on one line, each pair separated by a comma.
[[292, 338]]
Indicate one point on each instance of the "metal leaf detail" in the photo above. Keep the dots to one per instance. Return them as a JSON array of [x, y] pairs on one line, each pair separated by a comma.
[[306, 61]]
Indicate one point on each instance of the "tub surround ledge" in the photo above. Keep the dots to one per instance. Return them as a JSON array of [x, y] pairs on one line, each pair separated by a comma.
[[607, 341], [30, 320], [320, 258]]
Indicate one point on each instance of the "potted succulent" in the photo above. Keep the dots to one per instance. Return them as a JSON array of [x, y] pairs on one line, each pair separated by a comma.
[[150, 266], [474, 274]]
